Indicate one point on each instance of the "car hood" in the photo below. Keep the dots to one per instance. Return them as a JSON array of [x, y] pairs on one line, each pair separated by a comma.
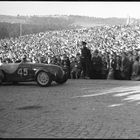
[[9, 68]]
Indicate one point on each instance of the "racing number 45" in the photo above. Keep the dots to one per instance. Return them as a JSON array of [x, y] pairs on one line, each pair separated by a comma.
[[23, 71]]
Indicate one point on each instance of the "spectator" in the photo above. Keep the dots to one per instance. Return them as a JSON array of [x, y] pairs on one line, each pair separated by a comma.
[[117, 71], [85, 60], [76, 68], [136, 69], [66, 63], [104, 66], [111, 67], [125, 67], [57, 43], [96, 63]]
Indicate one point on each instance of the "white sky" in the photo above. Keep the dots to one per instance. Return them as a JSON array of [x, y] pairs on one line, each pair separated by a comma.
[[95, 9]]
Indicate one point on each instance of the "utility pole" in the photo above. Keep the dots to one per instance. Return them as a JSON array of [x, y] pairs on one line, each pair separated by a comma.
[[128, 20]]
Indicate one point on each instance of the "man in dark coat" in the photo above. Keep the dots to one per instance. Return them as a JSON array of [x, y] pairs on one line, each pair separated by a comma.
[[96, 65], [85, 60], [136, 69], [117, 70], [125, 67]]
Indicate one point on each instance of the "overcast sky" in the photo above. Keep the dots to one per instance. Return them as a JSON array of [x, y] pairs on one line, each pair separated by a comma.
[[95, 9]]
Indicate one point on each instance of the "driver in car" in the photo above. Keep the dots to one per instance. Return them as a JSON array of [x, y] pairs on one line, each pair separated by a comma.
[[24, 59]]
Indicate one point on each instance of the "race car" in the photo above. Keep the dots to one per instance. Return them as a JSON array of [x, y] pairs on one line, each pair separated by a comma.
[[43, 74]]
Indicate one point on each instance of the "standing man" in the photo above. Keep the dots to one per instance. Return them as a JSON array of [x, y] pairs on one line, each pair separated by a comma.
[[96, 65], [136, 69], [125, 67], [66, 63], [85, 60]]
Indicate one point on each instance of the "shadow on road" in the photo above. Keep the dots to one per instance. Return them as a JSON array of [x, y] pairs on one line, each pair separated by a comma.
[[33, 107], [31, 84]]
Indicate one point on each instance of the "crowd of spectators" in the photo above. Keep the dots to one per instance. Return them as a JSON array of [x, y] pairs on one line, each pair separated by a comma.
[[114, 51]]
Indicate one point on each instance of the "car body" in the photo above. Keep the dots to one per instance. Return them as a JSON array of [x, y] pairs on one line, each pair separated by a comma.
[[42, 73]]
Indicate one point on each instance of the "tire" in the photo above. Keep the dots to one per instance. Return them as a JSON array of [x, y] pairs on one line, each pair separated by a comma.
[[43, 79], [1, 77], [15, 83], [0, 81], [65, 78]]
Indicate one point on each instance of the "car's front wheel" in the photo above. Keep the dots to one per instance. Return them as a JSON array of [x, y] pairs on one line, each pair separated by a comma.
[[15, 83], [1, 77], [0, 80], [43, 79], [62, 81]]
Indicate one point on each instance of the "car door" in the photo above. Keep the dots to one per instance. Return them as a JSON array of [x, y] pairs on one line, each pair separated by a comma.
[[24, 72]]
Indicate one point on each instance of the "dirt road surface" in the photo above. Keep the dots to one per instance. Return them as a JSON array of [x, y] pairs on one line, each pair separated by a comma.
[[76, 109]]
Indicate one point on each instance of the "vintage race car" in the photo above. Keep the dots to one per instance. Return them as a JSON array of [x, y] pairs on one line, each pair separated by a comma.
[[43, 74]]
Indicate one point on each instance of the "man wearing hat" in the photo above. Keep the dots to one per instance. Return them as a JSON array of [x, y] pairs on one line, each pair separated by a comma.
[[85, 60]]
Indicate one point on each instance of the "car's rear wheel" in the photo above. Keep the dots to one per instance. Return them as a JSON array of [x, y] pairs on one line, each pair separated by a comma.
[[43, 79]]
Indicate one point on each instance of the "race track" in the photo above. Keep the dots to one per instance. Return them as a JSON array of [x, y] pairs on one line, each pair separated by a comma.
[[77, 109]]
